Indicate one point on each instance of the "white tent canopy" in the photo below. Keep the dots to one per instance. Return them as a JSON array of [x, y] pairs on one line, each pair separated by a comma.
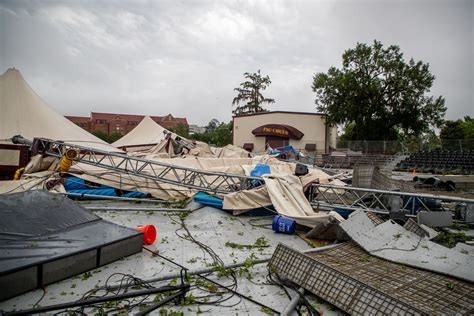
[[23, 112], [146, 133]]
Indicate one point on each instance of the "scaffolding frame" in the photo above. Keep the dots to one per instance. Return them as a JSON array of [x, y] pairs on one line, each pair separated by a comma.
[[354, 198], [207, 181]]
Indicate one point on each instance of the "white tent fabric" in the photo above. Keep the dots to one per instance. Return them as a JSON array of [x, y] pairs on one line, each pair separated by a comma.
[[146, 133], [23, 112]]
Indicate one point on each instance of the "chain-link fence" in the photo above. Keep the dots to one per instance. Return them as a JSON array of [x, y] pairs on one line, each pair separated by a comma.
[[394, 147]]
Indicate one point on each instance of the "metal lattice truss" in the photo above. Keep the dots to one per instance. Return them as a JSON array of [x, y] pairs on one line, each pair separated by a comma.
[[354, 198], [216, 182]]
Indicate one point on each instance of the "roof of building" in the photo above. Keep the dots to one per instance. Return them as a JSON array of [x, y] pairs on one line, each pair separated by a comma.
[[78, 119], [113, 116], [169, 117], [275, 112], [138, 118]]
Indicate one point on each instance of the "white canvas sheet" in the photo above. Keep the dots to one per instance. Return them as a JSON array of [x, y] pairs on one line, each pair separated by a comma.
[[23, 112], [146, 132]]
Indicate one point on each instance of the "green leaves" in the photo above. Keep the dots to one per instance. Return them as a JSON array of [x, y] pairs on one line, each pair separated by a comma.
[[460, 129], [249, 92], [219, 135], [381, 94]]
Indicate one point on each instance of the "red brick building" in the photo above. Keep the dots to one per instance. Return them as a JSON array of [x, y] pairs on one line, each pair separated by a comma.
[[122, 123]]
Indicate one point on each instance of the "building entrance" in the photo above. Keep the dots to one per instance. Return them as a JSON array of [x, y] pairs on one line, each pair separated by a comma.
[[276, 142]]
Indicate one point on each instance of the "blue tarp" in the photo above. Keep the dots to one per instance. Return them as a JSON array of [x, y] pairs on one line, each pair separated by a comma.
[[136, 195], [286, 150], [74, 183], [206, 199], [259, 170], [81, 186]]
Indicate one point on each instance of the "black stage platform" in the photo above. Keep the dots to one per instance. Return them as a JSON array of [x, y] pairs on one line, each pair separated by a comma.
[[46, 237]]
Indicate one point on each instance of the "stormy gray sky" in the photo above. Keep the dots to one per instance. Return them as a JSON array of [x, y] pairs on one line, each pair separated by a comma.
[[185, 57]]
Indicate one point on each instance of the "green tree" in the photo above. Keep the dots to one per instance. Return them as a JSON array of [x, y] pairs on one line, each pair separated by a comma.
[[102, 135], [182, 130], [468, 126], [452, 130], [347, 135], [222, 135], [219, 136], [113, 137], [212, 125], [381, 93], [250, 93]]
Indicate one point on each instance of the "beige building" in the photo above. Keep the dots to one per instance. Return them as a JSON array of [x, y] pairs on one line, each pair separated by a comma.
[[302, 130]]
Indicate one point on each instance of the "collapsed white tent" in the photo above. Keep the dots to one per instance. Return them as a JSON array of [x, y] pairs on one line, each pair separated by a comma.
[[147, 132], [23, 112]]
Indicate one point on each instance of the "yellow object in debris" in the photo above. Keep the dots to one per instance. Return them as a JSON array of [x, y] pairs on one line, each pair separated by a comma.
[[68, 158], [18, 173]]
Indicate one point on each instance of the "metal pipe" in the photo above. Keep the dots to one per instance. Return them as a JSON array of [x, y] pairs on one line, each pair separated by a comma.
[[117, 198], [292, 304], [97, 300], [137, 209]]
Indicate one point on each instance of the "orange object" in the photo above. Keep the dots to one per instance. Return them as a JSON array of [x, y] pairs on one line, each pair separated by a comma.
[[149, 233], [414, 172]]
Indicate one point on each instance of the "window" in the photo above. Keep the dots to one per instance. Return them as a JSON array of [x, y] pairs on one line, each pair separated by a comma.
[[248, 146], [310, 147]]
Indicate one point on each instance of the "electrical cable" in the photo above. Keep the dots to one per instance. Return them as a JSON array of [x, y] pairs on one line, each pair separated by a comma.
[[217, 283], [92, 301]]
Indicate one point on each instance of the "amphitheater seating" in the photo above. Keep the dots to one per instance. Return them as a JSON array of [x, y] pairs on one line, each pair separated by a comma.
[[351, 161], [439, 162]]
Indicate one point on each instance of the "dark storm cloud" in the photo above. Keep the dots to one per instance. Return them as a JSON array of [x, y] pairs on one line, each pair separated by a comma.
[[185, 57]]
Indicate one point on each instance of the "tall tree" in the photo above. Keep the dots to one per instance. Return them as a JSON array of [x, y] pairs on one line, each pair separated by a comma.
[[382, 94], [212, 125], [250, 93]]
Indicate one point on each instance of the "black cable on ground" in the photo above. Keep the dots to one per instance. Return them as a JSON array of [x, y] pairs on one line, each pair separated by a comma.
[[93, 301], [217, 283], [162, 302]]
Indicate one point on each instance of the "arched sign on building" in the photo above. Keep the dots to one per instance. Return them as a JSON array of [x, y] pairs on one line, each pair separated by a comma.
[[278, 130]]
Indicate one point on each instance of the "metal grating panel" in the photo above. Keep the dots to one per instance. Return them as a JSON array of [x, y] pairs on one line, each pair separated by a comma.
[[413, 226], [375, 218], [358, 283]]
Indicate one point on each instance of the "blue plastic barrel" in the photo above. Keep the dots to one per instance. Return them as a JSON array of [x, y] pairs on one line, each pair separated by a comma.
[[283, 225]]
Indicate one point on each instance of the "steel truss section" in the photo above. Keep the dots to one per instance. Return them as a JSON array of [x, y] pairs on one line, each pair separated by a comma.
[[355, 198], [215, 182]]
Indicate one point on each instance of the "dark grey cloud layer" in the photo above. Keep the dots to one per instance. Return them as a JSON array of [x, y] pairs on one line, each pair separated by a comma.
[[185, 57]]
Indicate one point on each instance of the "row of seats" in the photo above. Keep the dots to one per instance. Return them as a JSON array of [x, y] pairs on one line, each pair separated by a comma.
[[351, 161], [439, 161]]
